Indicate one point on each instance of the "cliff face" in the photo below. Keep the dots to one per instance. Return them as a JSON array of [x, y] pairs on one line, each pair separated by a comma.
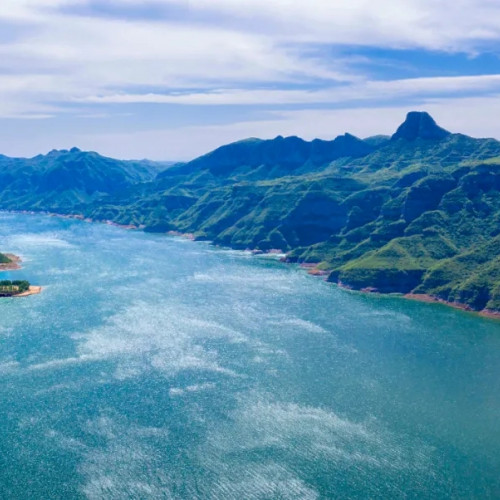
[[425, 195]]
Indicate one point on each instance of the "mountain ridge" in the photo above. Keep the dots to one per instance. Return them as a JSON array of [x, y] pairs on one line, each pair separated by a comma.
[[284, 154], [63, 179], [404, 214]]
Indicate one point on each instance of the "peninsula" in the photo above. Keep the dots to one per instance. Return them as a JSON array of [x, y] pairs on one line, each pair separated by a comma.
[[15, 288]]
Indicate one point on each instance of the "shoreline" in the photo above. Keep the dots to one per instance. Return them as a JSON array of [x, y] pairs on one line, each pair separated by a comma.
[[33, 290], [309, 267], [312, 269], [15, 266], [187, 236], [79, 217], [426, 299], [431, 299]]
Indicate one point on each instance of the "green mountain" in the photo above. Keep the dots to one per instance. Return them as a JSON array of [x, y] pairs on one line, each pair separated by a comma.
[[419, 126], [63, 180], [256, 159], [4, 259], [418, 212]]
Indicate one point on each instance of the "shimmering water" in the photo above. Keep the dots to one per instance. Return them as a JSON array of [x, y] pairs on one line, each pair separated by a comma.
[[155, 367]]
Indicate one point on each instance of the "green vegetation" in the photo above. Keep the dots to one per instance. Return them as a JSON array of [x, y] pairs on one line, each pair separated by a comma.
[[61, 181], [418, 212], [4, 259], [472, 277], [11, 288]]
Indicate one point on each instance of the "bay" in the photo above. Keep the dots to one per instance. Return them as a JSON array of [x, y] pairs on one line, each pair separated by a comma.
[[156, 367]]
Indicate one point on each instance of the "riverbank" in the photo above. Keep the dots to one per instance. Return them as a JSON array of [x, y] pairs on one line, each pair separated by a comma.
[[430, 299], [33, 290], [76, 217], [419, 297], [15, 265], [310, 268]]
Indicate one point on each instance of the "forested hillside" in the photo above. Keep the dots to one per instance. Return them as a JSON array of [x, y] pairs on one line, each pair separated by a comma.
[[62, 180], [416, 212]]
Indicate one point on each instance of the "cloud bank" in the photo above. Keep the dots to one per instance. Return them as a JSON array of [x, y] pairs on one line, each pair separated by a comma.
[[111, 69]]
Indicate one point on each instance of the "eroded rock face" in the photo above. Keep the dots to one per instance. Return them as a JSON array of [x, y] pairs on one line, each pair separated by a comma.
[[379, 280], [426, 195], [419, 125]]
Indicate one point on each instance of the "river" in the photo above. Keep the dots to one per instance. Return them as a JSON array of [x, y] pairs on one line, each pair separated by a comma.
[[156, 367]]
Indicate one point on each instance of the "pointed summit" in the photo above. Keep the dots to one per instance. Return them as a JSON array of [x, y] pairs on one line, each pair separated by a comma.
[[419, 125]]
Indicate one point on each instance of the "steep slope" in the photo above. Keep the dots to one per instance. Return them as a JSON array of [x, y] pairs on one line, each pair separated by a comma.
[[380, 220], [472, 277], [418, 212], [419, 126]]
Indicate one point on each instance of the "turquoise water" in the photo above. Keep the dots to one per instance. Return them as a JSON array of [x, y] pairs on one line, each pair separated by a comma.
[[155, 367]]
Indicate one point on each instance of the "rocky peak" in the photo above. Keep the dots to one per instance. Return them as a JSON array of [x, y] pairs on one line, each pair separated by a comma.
[[419, 125]]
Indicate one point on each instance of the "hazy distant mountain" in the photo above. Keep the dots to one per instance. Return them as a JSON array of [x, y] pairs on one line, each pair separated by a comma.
[[61, 180]]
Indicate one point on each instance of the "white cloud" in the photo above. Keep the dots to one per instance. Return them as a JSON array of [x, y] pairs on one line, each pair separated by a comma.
[[75, 56], [435, 24], [104, 52], [381, 89], [223, 52], [62, 58]]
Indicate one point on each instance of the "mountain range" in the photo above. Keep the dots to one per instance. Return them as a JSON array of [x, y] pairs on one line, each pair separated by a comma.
[[63, 179], [417, 212]]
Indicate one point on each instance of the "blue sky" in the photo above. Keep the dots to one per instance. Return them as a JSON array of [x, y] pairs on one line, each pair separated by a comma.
[[172, 79]]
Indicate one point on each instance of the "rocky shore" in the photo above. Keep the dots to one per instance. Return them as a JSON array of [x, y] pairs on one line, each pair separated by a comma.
[[422, 297]]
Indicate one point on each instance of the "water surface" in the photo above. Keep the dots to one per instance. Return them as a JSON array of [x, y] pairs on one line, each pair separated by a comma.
[[155, 367]]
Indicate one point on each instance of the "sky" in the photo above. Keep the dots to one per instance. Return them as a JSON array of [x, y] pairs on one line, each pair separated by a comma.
[[173, 79]]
